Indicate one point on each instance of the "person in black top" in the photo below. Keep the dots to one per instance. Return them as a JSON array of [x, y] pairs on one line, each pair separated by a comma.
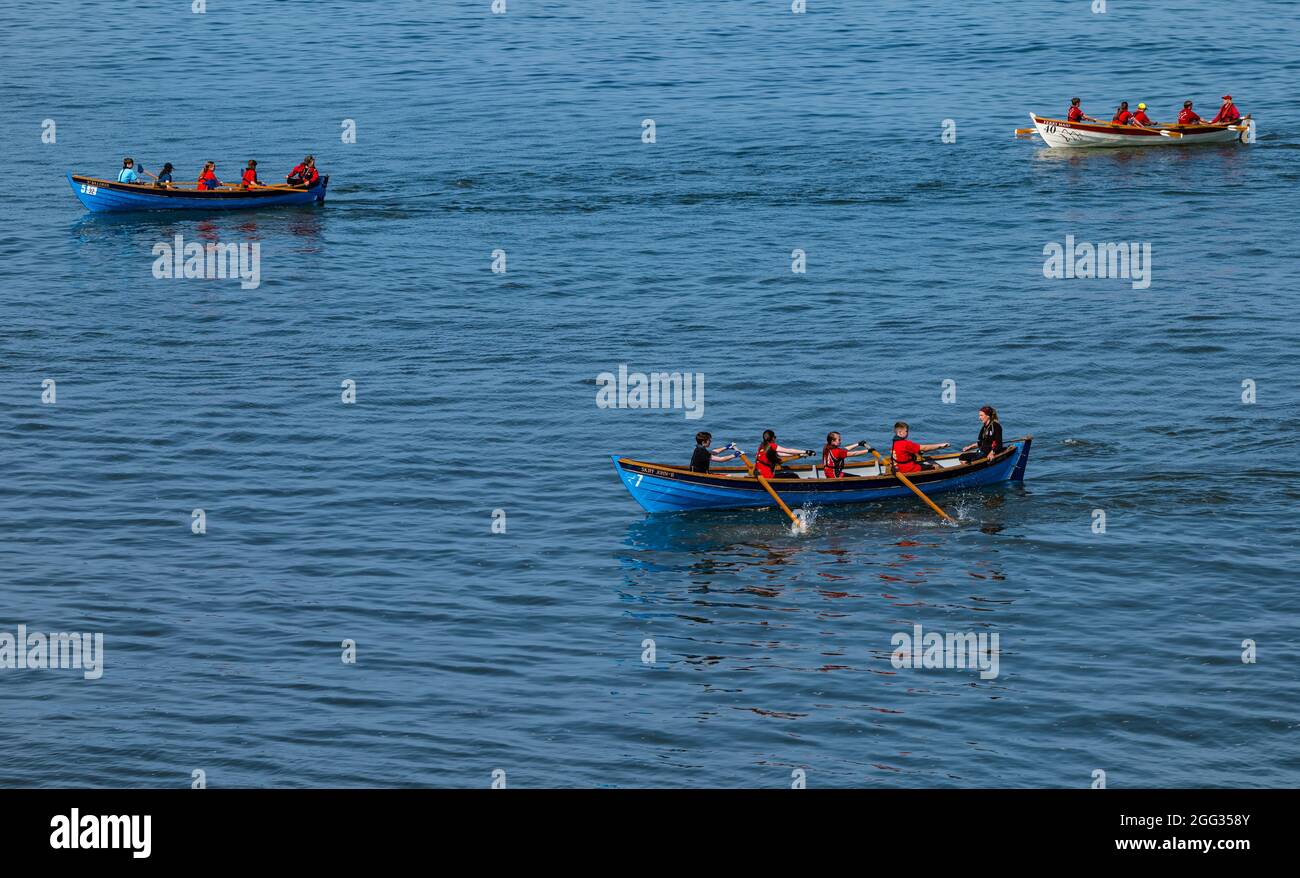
[[702, 456], [989, 442]]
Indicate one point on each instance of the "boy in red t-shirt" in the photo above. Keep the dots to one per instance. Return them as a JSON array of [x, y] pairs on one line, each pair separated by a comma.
[[1188, 116], [905, 451]]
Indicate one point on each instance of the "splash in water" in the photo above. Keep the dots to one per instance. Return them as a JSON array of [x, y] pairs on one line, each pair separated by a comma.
[[806, 518]]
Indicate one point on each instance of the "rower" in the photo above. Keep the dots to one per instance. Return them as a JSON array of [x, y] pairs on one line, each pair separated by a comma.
[[304, 174], [768, 457], [1188, 116], [907, 454], [1228, 113], [1076, 113], [833, 456], [703, 456], [208, 179], [295, 176], [1122, 115], [249, 179], [1141, 119], [989, 441], [128, 174], [164, 178]]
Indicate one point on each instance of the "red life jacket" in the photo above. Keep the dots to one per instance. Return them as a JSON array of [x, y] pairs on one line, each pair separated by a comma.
[[832, 463], [1187, 116], [766, 460], [1075, 115], [1228, 113], [1122, 117], [310, 175], [250, 176]]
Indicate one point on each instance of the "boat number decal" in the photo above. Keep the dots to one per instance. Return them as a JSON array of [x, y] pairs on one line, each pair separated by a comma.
[[87, 189], [638, 480], [1050, 129]]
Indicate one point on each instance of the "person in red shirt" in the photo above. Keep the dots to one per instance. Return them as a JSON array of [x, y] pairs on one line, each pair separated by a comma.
[[833, 456], [1141, 119], [249, 179], [208, 179], [1188, 116], [1228, 113], [310, 174], [768, 457], [906, 453], [1076, 113], [304, 174], [1122, 115], [295, 176]]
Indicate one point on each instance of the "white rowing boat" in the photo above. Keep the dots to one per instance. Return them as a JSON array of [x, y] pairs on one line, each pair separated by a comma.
[[1060, 133]]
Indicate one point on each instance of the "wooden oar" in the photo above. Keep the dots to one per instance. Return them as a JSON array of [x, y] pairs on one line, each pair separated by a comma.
[[1173, 134], [915, 490], [795, 524], [263, 186], [1020, 131]]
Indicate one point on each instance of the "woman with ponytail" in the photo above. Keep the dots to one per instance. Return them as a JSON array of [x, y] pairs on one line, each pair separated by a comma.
[[834, 455], [989, 442], [768, 457]]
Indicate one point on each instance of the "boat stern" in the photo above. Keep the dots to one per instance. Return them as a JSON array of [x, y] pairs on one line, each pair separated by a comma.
[[1022, 460]]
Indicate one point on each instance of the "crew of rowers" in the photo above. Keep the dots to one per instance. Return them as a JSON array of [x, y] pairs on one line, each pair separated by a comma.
[[1227, 115], [906, 455], [303, 174]]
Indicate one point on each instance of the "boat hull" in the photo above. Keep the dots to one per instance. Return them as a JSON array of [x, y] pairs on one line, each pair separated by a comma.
[[1062, 134], [661, 488], [103, 196]]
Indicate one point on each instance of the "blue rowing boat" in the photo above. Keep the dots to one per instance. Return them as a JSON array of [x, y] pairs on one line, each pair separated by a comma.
[[660, 488], [106, 195]]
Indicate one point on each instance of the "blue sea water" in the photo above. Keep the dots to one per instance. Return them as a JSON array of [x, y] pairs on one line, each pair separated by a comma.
[[522, 651]]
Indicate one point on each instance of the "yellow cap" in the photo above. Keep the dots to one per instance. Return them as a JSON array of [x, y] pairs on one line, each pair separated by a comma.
[[1142, 106]]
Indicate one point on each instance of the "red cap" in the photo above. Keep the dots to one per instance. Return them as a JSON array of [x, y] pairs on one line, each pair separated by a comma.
[[1227, 97]]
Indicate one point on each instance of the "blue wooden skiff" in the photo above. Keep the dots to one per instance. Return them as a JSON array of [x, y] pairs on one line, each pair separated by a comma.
[[660, 488], [106, 195]]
